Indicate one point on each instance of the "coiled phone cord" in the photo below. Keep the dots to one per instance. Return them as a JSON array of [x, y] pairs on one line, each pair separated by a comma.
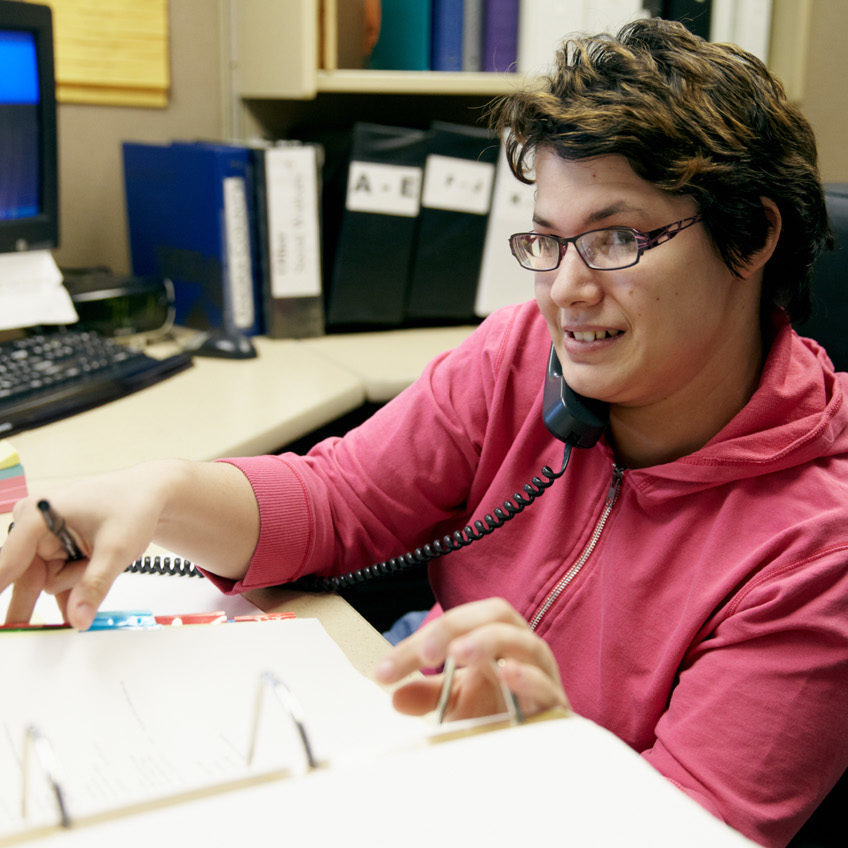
[[443, 546], [164, 565], [435, 549]]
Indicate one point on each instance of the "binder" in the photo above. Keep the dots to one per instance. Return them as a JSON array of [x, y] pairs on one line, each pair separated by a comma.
[[455, 202], [146, 751], [375, 244], [189, 218], [542, 26], [744, 22], [289, 238], [611, 15], [500, 35], [502, 280], [404, 41], [472, 35], [447, 48]]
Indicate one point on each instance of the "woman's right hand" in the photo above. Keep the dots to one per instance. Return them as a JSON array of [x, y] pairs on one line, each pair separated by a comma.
[[112, 518]]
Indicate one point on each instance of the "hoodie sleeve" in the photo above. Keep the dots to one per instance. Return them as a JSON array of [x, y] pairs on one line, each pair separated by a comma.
[[390, 484]]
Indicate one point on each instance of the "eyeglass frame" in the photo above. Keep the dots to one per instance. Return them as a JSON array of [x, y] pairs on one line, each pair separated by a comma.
[[644, 241]]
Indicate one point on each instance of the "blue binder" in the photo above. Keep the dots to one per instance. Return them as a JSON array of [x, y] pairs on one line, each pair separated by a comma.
[[189, 212], [447, 38]]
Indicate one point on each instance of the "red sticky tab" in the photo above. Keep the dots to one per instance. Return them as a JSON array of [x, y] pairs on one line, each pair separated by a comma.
[[265, 616], [219, 617]]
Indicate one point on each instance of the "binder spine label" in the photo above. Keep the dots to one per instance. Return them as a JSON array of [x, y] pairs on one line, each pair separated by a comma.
[[238, 271], [384, 189], [293, 224], [458, 185]]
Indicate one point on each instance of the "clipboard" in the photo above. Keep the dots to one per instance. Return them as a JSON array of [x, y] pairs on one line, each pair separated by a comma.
[[374, 772]]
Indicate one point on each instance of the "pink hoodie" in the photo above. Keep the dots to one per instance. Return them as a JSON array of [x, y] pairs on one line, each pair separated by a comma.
[[708, 624]]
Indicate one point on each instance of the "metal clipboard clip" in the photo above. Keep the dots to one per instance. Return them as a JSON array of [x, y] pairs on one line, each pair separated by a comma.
[[37, 745], [269, 682], [516, 716]]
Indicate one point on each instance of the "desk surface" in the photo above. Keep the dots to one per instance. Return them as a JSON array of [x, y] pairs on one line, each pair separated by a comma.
[[225, 407], [387, 362]]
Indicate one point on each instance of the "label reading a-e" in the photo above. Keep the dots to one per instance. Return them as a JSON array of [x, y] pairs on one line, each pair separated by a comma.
[[384, 189]]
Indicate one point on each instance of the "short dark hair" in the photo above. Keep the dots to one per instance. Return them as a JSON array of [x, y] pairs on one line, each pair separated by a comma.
[[693, 118]]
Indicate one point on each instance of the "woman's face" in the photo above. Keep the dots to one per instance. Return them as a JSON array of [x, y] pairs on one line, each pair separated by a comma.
[[671, 330]]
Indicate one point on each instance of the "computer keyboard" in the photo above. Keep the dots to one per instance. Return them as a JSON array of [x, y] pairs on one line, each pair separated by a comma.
[[52, 375]]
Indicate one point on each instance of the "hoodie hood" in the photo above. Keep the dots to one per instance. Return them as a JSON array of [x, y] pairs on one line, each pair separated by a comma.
[[796, 415]]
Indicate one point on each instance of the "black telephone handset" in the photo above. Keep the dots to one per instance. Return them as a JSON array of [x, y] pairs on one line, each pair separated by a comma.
[[572, 418]]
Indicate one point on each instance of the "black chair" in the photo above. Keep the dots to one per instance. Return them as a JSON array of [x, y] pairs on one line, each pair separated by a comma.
[[828, 325], [828, 825]]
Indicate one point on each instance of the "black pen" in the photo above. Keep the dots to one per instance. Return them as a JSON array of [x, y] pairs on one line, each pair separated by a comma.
[[56, 525]]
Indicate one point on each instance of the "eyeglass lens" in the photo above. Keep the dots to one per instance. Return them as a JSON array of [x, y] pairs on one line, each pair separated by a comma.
[[604, 249]]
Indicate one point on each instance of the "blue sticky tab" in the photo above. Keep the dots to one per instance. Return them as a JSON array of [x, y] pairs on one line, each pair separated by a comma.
[[123, 620]]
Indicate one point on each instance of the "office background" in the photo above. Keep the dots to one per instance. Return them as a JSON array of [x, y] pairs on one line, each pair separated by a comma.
[[200, 104]]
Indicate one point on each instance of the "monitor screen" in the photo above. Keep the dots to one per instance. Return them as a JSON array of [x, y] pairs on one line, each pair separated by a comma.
[[28, 168]]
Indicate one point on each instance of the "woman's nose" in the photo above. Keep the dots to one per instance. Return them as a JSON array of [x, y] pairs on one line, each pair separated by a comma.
[[573, 282]]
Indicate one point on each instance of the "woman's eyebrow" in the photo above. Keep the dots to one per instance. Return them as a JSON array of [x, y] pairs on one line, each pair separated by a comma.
[[594, 217]]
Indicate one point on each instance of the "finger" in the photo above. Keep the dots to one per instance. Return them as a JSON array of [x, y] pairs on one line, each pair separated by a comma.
[[25, 593], [62, 603], [418, 697], [492, 642], [427, 648], [19, 549], [535, 690], [108, 560], [65, 577]]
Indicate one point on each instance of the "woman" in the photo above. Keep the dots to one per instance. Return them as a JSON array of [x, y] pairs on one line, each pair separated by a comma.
[[684, 582]]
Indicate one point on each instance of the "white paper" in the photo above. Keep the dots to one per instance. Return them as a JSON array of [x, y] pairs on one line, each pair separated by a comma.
[[31, 291], [139, 715]]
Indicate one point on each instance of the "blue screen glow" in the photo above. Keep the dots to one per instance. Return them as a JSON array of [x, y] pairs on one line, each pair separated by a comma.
[[18, 68]]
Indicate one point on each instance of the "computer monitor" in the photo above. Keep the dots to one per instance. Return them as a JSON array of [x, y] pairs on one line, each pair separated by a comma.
[[29, 212]]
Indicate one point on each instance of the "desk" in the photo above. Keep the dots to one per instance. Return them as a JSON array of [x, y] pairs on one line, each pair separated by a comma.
[[389, 361], [218, 407], [223, 407]]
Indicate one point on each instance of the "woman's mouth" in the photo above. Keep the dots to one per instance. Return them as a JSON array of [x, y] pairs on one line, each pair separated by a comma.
[[592, 335]]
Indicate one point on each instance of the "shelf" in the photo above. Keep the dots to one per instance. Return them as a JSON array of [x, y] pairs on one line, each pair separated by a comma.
[[416, 82]]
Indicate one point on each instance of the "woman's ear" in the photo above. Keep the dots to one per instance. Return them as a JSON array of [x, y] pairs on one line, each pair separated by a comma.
[[757, 260]]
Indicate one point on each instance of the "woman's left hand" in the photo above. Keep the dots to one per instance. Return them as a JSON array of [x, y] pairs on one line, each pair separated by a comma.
[[490, 643]]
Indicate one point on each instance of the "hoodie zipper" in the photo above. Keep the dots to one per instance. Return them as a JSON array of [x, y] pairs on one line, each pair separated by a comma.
[[612, 494]]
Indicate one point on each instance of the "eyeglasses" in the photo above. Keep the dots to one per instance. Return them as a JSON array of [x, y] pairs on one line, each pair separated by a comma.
[[607, 249]]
